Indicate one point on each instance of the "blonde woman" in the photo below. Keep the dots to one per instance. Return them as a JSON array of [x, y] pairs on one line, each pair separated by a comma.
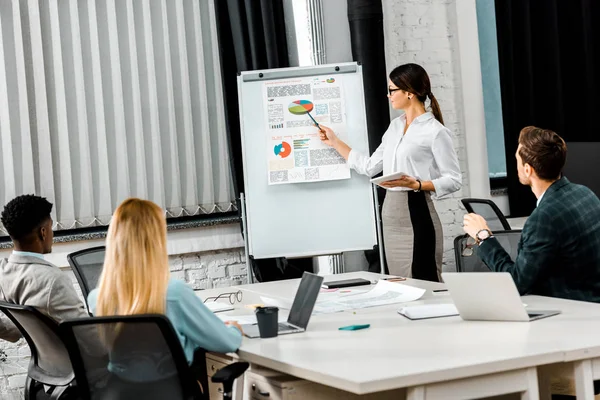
[[135, 280]]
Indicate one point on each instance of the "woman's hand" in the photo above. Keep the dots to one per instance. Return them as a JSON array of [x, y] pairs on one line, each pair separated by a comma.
[[404, 181], [327, 135], [236, 325]]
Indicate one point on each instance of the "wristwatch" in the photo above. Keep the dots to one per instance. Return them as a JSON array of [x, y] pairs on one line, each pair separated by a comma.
[[419, 189], [483, 235]]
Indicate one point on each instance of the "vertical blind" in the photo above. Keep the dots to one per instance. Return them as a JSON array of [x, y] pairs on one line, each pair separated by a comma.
[[101, 100]]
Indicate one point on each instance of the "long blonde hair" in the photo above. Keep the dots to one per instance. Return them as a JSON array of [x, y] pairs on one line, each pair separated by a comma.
[[136, 266]]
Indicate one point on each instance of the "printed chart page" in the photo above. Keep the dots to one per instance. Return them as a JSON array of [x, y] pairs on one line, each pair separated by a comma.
[[295, 152]]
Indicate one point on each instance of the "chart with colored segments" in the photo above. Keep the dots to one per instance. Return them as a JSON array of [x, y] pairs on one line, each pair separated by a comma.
[[300, 107], [283, 149], [293, 109]]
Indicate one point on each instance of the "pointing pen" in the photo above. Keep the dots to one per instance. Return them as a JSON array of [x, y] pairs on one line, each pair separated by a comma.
[[316, 123]]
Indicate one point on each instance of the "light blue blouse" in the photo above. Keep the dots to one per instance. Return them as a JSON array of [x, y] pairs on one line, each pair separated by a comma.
[[196, 326]]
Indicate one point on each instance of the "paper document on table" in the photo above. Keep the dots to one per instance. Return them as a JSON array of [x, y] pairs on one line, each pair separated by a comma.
[[383, 293], [335, 294], [248, 319], [240, 319], [217, 307]]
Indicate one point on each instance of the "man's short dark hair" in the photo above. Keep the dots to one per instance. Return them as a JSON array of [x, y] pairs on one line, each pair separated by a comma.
[[544, 150], [23, 214]]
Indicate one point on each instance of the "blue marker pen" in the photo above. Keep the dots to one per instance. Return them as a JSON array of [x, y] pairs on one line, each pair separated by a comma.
[[354, 327]]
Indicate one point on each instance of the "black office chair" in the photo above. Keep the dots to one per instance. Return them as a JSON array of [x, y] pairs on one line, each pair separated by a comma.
[[489, 211], [146, 361], [50, 363], [87, 267], [465, 250]]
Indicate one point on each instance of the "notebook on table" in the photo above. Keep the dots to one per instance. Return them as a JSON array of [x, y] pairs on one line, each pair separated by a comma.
[[425, 311]]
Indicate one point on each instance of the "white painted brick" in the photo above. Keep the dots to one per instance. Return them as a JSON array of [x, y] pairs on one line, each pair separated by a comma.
[[427, 20], [434, 70], [216, 271], [24, 348], [412, 45], [194, 275], [437, 29], [421, 8], [430, 44], [227, 282], [237, 270], [410, 20], [446, 218], [17, 381], [175, 263], [220, 258], [200, 283], [191, 261], [180, 275]]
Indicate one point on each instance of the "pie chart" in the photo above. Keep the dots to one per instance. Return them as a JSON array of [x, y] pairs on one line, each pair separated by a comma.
[[300, 107], [283, 149]]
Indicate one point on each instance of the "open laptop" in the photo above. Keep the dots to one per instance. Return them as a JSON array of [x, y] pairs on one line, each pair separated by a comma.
[[489, 296], [302, 308]]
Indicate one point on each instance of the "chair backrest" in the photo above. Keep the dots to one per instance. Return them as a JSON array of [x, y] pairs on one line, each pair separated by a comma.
[[50, 363], [488, 210], [145, 359], [87, 267], [470, 262]]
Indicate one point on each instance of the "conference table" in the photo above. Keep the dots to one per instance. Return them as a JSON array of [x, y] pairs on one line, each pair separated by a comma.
[[438, 358]]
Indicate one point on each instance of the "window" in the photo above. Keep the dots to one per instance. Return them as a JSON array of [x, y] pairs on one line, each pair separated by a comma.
[[488, 49], [101, 100]]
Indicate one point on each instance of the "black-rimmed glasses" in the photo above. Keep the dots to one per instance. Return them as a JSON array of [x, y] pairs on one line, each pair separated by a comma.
[[233, 296], [391, 91], [468, 250]]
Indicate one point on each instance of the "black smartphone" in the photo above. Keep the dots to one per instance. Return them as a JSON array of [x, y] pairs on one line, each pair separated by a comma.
[[345, 283]]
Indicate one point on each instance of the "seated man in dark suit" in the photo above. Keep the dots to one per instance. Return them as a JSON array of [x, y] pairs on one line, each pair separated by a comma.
[[559, 251]]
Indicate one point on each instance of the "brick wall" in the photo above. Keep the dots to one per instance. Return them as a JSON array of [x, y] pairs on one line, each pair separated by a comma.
[[424, 32], [201, 270]]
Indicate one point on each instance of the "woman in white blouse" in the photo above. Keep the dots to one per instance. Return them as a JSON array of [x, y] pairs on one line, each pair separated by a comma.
[[418, 144]]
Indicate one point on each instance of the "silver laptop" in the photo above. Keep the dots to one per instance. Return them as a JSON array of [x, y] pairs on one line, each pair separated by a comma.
[[489, 296], [302, 308]]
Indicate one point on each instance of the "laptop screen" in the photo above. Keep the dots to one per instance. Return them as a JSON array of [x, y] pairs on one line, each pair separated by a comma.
[[305, 299]]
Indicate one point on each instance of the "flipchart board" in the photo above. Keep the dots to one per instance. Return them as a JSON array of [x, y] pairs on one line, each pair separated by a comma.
[[301, 199]]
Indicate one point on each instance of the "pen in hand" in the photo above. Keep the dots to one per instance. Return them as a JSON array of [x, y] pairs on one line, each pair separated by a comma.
[[316, 123]]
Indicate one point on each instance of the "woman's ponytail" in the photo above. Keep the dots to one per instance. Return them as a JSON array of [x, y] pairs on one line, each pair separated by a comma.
[[435, 108]]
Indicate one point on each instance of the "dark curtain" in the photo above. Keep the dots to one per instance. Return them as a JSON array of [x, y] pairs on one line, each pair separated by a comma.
[[549, 53], [366, 36], [252, 37]]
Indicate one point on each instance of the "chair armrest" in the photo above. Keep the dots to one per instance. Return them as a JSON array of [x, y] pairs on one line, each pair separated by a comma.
[[230, 373]]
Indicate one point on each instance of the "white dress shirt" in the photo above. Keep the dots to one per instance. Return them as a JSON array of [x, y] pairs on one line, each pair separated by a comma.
[[540, 198], [425, 152]]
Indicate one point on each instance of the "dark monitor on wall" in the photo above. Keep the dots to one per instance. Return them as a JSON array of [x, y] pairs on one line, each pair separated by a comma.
[[583, 164]]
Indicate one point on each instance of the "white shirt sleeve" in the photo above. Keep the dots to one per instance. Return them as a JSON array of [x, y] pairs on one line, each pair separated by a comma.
[[450, 179], [365, 165]]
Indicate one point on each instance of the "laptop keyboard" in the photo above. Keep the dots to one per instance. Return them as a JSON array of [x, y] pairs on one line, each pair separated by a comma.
[[282, 326]]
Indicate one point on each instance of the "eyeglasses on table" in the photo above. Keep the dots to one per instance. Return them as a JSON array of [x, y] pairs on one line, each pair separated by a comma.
[[232, 296]]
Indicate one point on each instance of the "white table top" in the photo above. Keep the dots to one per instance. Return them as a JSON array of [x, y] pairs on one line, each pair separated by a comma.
[[396, 352]]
